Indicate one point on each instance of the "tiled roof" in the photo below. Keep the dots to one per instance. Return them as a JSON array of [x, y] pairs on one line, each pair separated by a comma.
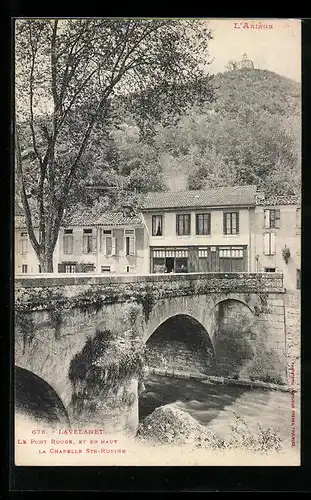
[[85, 218], [215, 197], [278, 200], [104, 219]]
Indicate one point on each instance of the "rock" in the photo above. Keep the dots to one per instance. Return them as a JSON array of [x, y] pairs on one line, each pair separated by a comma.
[[171, 425]]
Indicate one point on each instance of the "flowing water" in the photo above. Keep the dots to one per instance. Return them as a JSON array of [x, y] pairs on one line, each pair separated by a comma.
[[215, 405]]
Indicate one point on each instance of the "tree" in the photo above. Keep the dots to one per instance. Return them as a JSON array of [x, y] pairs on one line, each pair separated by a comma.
[[67, 73]]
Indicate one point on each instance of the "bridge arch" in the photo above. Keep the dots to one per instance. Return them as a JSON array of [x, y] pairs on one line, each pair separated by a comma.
[[180, 343], [37, 400], [235, 329]]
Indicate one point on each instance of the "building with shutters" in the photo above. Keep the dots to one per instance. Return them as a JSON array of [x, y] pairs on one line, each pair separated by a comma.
[[228, 229], [25, 258], [109, 243], [277, 230], [113, 242], [200, 231]]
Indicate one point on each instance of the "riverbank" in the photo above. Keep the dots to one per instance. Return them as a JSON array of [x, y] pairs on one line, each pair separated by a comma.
[[210, 379]]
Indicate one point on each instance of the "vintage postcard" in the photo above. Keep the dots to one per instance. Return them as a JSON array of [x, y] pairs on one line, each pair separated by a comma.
[[157, 241]]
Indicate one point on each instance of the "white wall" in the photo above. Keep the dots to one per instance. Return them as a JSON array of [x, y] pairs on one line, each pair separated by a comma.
[[288, 234], [217, 237]]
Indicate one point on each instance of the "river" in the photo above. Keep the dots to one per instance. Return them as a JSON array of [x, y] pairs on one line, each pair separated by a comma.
[[215, 404]]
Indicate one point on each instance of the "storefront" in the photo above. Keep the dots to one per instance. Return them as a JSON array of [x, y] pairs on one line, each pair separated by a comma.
[[168, 260], [194, 259]]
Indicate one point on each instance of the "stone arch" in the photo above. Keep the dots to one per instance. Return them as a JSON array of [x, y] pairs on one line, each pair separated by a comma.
[[235, 298], [180, 343], [36, 399], [234, 330]]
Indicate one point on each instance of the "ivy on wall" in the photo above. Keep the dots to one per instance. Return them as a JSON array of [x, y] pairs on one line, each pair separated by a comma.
[[25, 322], [102, 366], [93, 297]]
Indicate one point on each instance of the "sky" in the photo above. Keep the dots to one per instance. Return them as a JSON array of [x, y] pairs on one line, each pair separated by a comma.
[[276, 49]]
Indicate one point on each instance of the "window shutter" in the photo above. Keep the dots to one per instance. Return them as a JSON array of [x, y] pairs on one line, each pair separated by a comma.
[[94, 242], [132, 245], [101, 241], [177, 224], [224, 224], [277, 218], [267, 218], [266, 243], [61, 268], [104, 244], [68, 244], [237, 223], [85, 243], [154, 230], [113, 246], [272, 243], [61, 244]]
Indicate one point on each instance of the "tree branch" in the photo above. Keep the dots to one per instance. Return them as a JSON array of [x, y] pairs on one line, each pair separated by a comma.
[[31, 92], [29, 223]]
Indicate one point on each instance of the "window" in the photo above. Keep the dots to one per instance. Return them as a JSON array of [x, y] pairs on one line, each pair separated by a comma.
[[203, 224], [298, 278], [108, 243], [272, 218], [130, 269], [67, 267], [298, 217], [68, 241], [269, 244], [23, 242], [84, 267], [157, 225], [129, 239], [105, 269], [40, 269], [70, 268], [89, 242], [183, 224], [269, 269], [24, 268], [231, 259], [231, 223]]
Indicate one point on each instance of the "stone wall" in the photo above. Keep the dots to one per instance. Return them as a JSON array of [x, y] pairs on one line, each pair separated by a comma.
[[174, 355], [293, 336], [56, 316]]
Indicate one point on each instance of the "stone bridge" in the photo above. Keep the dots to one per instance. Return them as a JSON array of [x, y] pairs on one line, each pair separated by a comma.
[[82, 343]]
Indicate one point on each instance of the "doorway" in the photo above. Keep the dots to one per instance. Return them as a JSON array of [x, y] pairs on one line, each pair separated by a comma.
[[169, 264]]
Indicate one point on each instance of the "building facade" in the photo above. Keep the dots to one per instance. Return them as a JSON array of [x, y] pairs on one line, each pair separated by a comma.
[[277, 235], [200, 231], [229, 229], [110, 243]]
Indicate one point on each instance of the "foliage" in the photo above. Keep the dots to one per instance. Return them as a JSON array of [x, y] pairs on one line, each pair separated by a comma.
[[249, 135], [168, 424], [67, 72], [286, 254], [263, 441], [25, 322], [104, 363]]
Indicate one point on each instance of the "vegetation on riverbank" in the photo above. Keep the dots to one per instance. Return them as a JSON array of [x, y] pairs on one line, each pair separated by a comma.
[[171, 425]]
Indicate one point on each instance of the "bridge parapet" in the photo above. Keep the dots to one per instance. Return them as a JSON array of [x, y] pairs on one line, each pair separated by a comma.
[[70, 291]]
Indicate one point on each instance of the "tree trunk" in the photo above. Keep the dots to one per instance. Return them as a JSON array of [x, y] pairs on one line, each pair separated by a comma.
[[46, 262]]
